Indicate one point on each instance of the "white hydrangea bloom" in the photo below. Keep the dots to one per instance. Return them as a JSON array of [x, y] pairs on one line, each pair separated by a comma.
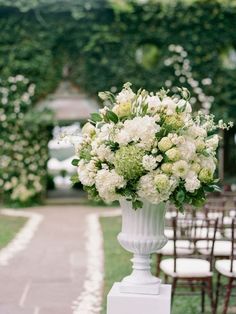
[[106, 183], [187, 149], [122, 137], [140, 129], [147, 188], [103, 152], [191, 182], [87, 172], [149, 162]]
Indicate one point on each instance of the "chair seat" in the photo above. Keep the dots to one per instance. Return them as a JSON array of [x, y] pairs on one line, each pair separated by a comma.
[[183, 247], [223, 267], [186, 268], [221, 248], [169, 233], [202, 232]]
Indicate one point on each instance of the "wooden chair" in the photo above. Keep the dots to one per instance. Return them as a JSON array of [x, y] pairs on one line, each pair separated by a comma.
[[193, 271], [227, 268]]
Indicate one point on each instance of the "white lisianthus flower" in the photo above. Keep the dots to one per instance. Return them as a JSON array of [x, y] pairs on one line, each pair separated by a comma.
[[200, 144], [191, 182], [175, 139], [205, 175], [165, 144], [207, 162], [213, 142], [173, 154], [183, 103], [196, 131], [170, 105], [153, 103], [88, 129], [125, 96], [167, 167], [149, 162], [180, 168], [106, 183]]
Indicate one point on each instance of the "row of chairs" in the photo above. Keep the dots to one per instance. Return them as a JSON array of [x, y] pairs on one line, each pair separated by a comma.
[[197, 247]]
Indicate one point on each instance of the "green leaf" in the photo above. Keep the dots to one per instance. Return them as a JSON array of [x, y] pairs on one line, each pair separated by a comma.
[[216, 188], [75, 162], [180, 196], [96, 117], [137, 204], [112, 116], [74, 179]]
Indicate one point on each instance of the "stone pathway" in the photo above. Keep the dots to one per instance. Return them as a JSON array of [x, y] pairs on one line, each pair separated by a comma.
[[47, 276]]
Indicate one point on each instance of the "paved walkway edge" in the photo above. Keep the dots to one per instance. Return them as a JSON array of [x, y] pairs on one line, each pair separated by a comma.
[[23, 237], [90, 300]]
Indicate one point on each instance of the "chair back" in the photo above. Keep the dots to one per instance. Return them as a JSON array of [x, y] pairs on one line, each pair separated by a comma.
[[186, 232]]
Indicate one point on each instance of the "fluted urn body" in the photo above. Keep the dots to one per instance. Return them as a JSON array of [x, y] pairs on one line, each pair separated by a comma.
[[142, 234]]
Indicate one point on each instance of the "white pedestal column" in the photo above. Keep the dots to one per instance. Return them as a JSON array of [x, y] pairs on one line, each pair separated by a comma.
[[127, 303]]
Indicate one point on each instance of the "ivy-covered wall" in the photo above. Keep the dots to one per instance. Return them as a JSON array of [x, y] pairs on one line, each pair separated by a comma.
[[105, 43], [108, 42]]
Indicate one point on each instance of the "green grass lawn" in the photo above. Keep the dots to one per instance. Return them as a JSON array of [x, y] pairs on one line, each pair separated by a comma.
[[117, 265], [9, 226]]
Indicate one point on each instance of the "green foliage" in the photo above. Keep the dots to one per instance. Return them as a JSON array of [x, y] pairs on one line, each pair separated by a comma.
[[24, 137], [108, 42]]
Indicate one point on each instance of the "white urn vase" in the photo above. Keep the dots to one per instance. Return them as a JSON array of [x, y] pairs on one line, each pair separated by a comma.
[[142, 234]]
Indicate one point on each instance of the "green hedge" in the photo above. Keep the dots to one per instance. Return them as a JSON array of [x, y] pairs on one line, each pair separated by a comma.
[[108, 42], [99, 40]]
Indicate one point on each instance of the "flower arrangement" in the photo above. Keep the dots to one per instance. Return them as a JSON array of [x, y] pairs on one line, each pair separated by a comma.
[[146, 146]]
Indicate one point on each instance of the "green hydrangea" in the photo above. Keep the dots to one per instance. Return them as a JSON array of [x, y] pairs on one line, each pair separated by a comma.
[[128, 162], [175, 122]]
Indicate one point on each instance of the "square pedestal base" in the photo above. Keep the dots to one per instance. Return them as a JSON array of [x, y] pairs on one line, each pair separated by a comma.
[[127, 303]]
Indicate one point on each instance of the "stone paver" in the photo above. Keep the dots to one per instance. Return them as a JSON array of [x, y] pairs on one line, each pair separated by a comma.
[[47, 276]]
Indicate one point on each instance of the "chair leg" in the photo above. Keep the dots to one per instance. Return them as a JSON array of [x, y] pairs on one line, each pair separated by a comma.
[[210, 293], [218, 285], [227, 297], [159, 258], [203, 296], [174, 283]]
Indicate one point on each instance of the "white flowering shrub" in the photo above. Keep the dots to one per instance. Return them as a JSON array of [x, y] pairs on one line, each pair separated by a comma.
[[148, 146], [24, 134]]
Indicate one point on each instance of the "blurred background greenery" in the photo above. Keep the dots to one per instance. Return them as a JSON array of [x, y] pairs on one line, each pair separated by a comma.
[[98, 45]]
